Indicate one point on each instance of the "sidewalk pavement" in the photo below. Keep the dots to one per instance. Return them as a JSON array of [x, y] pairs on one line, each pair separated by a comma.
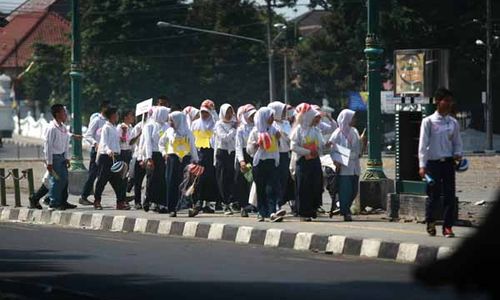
[[370, 236]]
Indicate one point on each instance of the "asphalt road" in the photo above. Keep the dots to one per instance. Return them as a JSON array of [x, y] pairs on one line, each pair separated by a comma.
[[56, 263]]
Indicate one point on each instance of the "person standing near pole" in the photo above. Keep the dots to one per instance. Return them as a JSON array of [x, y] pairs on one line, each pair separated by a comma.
[[93, 136], [440, 145]]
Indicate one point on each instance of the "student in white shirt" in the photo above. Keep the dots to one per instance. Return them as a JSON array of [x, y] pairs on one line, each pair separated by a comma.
[[346, 135], [125, 134], [109, 152], [284, 128], [440, 146], [225, 138], [192, 113], [307, 143], [155, 164], [92, 136], [263, 146], [138, 171], [56, 150], [246, 115], [178, 149], [203, 131]]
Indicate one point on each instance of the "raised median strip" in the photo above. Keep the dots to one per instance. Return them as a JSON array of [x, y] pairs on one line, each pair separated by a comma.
[[299, 241]]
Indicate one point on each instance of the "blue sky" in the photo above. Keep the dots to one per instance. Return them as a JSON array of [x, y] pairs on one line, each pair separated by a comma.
[[6, 5]]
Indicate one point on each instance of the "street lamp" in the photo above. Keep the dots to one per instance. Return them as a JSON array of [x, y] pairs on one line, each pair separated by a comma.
[[268, 45]]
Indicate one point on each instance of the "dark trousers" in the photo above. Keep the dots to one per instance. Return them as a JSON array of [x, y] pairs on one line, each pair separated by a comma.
[[224, 173], [42, 191], [207, 189], [242, 191], [443, 174], [139, 173], [104, 164], [309, 186], [155, 181], [284, 175], [126, 156], [93, 172], [174, 175], [265, 176]]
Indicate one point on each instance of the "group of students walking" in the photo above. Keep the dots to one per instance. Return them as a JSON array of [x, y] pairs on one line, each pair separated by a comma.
[[248, 159]]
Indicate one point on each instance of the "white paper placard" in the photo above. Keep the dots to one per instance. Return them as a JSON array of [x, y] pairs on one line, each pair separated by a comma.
[[143, 107], [341, 154]]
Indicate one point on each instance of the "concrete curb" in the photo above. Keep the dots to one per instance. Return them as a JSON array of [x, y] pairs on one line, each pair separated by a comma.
[[300, 241]]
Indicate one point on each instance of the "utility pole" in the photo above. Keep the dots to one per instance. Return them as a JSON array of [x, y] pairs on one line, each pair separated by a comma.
[[272, 91], [76, 78], [489, 102]]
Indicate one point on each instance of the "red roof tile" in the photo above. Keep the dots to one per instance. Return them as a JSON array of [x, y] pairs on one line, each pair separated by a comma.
[[28, 29]]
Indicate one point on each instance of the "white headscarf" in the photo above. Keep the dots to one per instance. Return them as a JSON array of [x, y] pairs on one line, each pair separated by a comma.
[[191, 113], [180, 123], [344, 122], [160, 114], [261, 119], [201, 124], [278, 108], [223, 111], [307, 117]]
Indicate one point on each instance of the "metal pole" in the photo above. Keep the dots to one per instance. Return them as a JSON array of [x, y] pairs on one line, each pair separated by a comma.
[[31, 184], [489, 102], [270, 51], [285, 76], [17, 190], [373, 52], [3, 195], [76, 78]]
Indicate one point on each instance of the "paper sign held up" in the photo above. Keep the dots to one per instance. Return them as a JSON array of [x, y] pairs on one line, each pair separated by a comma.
[[143, 107]]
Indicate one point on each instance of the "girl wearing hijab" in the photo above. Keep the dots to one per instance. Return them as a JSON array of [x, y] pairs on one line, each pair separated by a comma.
[[307, 143], [178, 149], [263, 146], [225, 133], [348, 176], [155, 164], [284, 128], [192, 113], [246, 120], [203, 131]]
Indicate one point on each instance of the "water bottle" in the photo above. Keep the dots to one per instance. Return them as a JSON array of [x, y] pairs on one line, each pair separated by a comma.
[[429, 179]]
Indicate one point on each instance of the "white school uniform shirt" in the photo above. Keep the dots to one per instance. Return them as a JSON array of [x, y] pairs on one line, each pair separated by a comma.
[[354, 144], [439, 138], [151, 133], [257, 152], [166, 144], [56, 141], [137, 148], [93, 133], [242, 134], [110, 140], [285, 130], [125, 145], [225, 136], [302, 136]]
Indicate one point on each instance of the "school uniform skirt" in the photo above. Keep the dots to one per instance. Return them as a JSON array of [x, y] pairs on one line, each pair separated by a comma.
[[224, 172], [207, 189], [174, 175], [309, 186], [155, 181], [242, 190], [284, 176], [265, 176]]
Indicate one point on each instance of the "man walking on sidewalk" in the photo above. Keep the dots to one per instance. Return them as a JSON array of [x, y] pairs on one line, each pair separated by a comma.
[[439, 147], [92, 136]]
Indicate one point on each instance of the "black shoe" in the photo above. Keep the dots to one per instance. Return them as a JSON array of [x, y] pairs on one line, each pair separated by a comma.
[[172, 214], [68, 205], [207, 210], [193, 212], [218, 206], [305, 219], [46, 201], [34, 203], [244, 213], [84, 201], [347, 218], [431, 228], [145, 206], [162, 211], [60, 208]]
